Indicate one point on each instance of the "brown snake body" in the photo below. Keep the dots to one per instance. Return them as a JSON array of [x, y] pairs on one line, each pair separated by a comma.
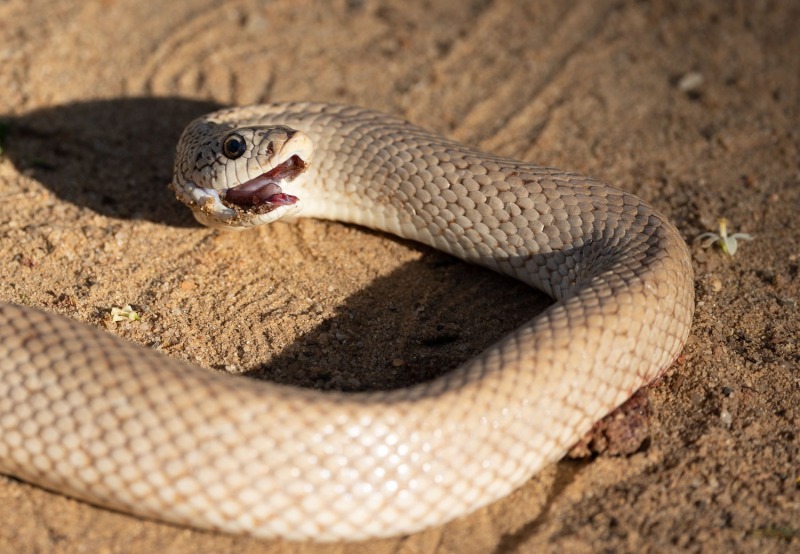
[[119, 425]]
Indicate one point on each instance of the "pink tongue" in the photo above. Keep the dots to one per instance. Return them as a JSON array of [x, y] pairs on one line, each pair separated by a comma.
[[263, 194], [264, 189], [260, 190]]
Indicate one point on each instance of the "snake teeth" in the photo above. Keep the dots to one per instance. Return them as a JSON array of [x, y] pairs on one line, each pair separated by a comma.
[[264, 189]]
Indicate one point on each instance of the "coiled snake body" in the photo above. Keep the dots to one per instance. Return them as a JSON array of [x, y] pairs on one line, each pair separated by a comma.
[[95, 417]]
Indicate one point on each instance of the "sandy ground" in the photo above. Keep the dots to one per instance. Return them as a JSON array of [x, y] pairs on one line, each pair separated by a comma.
[[693, 106]]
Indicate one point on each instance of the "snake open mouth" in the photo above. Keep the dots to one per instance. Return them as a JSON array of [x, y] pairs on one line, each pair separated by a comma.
[[264, 192]]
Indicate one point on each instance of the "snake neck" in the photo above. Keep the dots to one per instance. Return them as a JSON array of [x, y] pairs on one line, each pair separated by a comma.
[[551, 229]]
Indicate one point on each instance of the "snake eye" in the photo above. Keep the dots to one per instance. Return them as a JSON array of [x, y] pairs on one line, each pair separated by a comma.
[[234, 146]]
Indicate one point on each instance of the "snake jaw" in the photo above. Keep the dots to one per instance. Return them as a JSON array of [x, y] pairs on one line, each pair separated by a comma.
[[265, 191]]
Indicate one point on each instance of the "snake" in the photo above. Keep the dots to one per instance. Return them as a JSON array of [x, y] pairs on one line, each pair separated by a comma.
[[118, 425]]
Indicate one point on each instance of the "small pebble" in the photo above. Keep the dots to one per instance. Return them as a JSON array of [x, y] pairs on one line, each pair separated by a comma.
[[726, 418], [691, 82]]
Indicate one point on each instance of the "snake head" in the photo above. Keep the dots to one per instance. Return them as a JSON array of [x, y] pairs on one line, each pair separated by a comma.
[[234, 178]]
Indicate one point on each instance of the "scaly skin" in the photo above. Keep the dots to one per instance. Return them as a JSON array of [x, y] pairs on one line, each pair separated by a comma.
[[162, 439]]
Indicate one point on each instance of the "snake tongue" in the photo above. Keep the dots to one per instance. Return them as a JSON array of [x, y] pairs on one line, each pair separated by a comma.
[[265, 189]]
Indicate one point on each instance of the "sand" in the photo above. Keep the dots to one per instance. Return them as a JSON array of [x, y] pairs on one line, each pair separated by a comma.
[[693, 106]]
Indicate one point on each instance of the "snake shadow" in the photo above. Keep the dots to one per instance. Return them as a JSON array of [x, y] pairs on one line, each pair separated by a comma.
[[111, 156], [115, 157], [410, 326]]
